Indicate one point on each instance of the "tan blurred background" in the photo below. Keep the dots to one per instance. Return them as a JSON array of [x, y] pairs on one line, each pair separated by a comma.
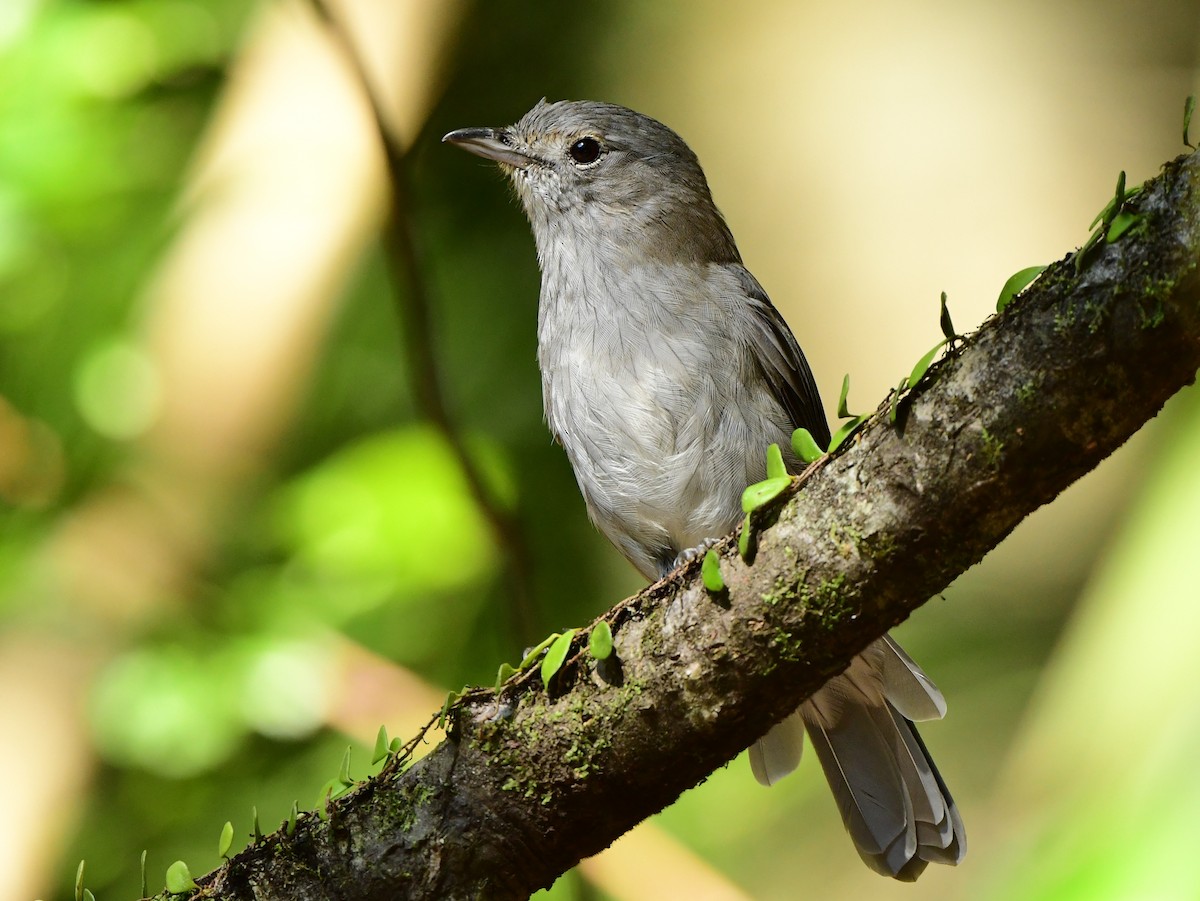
[[233, 542]]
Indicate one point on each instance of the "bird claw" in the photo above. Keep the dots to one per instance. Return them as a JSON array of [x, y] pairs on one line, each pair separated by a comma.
[[694, 553]]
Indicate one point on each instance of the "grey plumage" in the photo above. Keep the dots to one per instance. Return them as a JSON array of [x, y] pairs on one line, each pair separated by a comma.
[[666, 372]]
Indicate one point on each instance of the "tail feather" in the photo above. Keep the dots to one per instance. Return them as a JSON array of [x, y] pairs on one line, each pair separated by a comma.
[[858, 756], [778, 752], [905, 684], [890, 795]]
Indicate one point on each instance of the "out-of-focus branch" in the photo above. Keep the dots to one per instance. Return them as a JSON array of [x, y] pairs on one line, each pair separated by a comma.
[[402, 254], [530, 780]]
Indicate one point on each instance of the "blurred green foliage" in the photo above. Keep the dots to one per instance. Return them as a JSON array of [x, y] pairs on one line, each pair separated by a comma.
[[362, 523], [101, 103]]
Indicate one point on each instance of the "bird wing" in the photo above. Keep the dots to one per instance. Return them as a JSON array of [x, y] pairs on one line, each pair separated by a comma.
[[782, 361]]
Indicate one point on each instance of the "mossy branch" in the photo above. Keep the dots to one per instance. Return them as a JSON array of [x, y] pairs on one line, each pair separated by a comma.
[[530, 782]]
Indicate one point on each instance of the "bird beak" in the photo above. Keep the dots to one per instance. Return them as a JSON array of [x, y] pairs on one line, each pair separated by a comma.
[[491, 144]]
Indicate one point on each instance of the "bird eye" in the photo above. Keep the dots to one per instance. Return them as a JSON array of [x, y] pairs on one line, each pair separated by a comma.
[[585, 151]]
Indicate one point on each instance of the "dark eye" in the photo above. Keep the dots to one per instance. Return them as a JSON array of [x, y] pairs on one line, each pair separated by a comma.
[[585, 151]]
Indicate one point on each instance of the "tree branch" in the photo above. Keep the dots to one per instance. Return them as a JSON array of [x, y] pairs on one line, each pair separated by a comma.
[[530, 781]]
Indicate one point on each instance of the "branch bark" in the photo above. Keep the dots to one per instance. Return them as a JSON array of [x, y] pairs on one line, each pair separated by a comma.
[[529, 781]]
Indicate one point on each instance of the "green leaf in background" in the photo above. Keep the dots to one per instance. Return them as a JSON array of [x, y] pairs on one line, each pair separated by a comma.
[[79, 881], [179, 879], [710, 572], [226, 840], [392, 508], [763, 492], [344, 771], [556, 656], [1189, 107], [805, 446], [290, 828], [600, 641], [255, 828], [145, 889], [1017, 282]]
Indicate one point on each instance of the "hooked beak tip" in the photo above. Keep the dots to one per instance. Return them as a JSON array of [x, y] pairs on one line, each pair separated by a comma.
[[489, 143]]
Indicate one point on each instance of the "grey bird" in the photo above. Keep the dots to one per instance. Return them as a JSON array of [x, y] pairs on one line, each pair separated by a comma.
[[666, 372]]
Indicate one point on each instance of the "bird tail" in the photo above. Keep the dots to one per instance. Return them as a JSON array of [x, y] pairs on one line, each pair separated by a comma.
[[891, 797]]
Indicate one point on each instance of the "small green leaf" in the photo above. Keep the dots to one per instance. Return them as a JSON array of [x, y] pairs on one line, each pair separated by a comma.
[[1114, 204], [145, 887], [504, 673], [710, 572], [745, 538], [1121, 223], [556, 656], [600, 643], [381, 745], [1117, 201], [1082, 256], [451, 699], [1189, 107], [896, 399], [396, 745], [323, 800], [226, 840], [842, 413], [344, 772], [775, 466], [291, 823], [844, 432], [944, 319], [763, 492], [79, 881], [1017, 282], [536, 651], [921, 368], [805, 446], [88, 896], [254, 827], [179, 878]]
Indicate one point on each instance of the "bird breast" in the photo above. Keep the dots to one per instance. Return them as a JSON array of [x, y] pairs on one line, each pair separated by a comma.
[[645, 384]]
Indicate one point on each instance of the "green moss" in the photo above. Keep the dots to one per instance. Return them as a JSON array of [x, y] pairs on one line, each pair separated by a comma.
[[783, 647], [1028, 391], [572, 730], [846, 538], [827, 599], [992, 449], [882, 546], [1064, 319], [410, 804], [1094, 313]]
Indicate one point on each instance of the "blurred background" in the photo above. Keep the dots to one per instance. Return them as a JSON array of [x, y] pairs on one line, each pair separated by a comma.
[[269, 479]]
